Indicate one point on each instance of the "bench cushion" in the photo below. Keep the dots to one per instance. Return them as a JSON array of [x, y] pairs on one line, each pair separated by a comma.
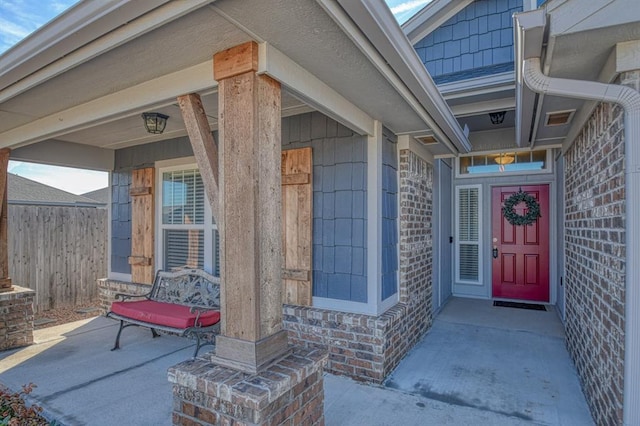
[[166, 314]]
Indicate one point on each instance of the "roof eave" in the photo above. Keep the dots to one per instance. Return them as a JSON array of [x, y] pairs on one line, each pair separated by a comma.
[[431, 17], [375, 21], [71, 38]]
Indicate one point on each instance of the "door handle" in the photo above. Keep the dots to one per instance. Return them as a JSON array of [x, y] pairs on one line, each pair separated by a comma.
[[495, 252]]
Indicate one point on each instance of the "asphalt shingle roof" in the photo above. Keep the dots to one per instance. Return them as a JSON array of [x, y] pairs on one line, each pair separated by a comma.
[[26, 191], [101, 195]]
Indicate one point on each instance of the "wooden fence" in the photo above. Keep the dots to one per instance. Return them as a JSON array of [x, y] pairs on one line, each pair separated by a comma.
[[58, 251]]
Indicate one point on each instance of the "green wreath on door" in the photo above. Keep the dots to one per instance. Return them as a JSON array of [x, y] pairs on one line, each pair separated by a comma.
[[533, 209]]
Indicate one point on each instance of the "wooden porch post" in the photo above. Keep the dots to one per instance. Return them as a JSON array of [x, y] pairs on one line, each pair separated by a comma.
[[5, 281], [249, 213]]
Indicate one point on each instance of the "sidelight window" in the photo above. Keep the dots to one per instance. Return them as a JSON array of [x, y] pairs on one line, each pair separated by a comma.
[[469, 234]]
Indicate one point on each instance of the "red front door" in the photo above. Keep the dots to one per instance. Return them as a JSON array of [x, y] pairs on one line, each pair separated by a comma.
[[521, 264]]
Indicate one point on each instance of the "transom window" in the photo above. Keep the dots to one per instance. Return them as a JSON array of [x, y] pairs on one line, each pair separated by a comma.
[[503, 162], [188, 233]]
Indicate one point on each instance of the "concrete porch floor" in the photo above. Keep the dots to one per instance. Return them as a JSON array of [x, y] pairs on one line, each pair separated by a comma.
[[478, 365]]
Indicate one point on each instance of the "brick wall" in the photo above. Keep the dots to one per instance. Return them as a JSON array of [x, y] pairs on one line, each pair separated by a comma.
[[595, 258], [364, 347], [289, 392], [107, 290], [416, 243], [16, 318]]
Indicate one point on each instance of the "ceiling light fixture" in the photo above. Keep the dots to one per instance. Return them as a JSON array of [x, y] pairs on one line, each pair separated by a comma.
[[154, 122], [504, 159], [497, 117]]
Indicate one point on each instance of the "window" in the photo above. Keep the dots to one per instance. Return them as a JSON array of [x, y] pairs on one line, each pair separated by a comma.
[[468, 221], [188, 233], [503, 162]]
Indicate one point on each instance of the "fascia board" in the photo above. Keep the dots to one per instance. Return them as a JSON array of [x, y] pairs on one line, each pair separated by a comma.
[[432, 17], [78, 26], [28, 64], [157, 92], [381, 29], [312, 90]]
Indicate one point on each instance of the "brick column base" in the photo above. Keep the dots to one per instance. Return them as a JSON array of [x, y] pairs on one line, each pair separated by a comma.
[[289, 392], [16, 318]]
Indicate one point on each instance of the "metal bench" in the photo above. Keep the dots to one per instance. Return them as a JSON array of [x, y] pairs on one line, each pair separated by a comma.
[[185, 302]]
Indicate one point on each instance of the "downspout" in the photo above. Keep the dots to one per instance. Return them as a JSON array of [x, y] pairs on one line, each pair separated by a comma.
[[629, 99]]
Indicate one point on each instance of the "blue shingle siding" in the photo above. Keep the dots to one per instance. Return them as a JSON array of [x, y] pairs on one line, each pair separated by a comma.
[[339, 203], [339, 200], [478, 41], [389, 215]]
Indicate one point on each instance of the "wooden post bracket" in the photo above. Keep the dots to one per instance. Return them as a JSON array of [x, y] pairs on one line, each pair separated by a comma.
[[203, 144]]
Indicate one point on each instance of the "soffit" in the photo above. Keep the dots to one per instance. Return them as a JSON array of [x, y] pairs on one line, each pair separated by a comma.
[[582, 37], [308, 36], [301, 30], [130, 130], [169, 48]]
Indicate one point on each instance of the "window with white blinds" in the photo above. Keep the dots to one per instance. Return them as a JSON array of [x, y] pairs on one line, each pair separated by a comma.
[[469, 229], [189, 237]]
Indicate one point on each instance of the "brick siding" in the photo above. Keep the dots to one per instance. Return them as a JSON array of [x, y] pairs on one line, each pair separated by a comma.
[[289, 392], [595, 258], [107, 290], [416, 243], [16, 318]]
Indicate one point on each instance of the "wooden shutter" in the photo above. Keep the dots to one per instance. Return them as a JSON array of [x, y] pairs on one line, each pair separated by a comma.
[[297, 219], [142, 225]]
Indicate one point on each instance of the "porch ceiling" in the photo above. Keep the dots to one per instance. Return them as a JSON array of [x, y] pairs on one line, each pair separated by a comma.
[[301, 30]]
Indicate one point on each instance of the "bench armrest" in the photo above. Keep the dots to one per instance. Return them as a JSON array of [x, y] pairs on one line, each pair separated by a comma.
[[125, 296], [199, 311]]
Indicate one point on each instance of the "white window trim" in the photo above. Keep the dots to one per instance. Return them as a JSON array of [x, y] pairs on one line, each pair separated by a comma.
[[548, 169], [458, 280], [170, 166]]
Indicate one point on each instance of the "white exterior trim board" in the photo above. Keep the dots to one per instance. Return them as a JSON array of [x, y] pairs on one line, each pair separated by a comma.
[[374, 217], [432, 17], [410, 143], [161, 91], [312, 90], [109, 41]]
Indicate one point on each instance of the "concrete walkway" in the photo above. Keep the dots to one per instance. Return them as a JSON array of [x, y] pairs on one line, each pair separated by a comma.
[[495, 360], [476, 366]]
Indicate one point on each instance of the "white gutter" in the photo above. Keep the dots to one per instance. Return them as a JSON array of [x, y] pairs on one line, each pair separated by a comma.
[[629, 99], [374, 30]]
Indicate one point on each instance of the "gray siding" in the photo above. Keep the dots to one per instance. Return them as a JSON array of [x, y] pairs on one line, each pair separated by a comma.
[[477, 41], [339, 203], [126, 160], [339, 200], [389, 215]]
